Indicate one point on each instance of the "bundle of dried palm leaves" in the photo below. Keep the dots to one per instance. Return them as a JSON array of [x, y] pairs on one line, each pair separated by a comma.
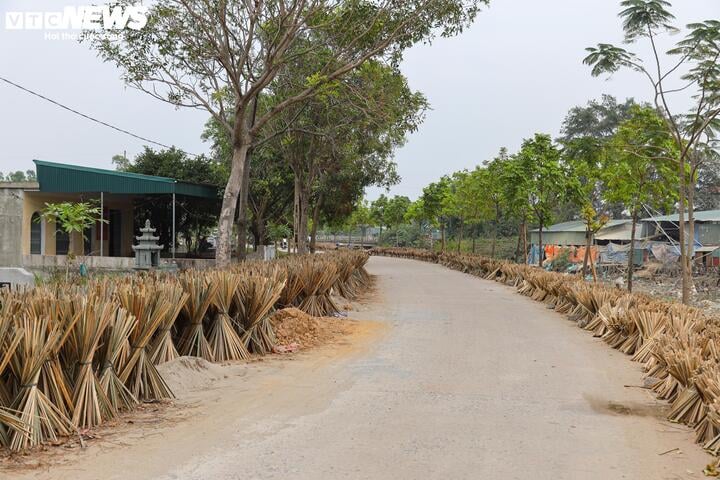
[[319, 276], [91, 405], [224, 338], [138, 372], [201, 293], [40, 420], [256, 297], [113, 359], [163, 346]]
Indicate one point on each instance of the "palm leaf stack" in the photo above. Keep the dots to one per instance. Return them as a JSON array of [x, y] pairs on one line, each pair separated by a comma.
[[163, 347], [256, 297], [115, 341], [201, 293], [139, 373], [75, 355], [91, 404], [319, 276], [41, 420], [224, 340]]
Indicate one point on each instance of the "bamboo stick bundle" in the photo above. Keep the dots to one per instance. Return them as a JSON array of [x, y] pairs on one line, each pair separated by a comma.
[[712, 427], [224, 341], [256, 297], [650, 323], [586, 314], [116, 336], [677, 352], [565, 296], [707, 383], [139, 373], [291, 294], [54, 379], [10, 338], [525, 288], [360, 277], [91, 404], [683, 364], [344, 284], [41, 420], [200, 296], [318, 278], [163, 347]]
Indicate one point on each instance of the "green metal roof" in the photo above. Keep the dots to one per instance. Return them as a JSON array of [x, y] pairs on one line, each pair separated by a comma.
[[60, 177]]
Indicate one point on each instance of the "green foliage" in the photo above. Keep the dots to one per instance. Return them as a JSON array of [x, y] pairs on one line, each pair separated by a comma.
[[536, 180], [19, 176], [276, 232], [72, 217], [433, 201], [639, 166], [195, 217], [395, 211]]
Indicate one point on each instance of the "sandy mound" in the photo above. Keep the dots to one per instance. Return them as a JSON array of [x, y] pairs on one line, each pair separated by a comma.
[[188, 374], [296, 330]]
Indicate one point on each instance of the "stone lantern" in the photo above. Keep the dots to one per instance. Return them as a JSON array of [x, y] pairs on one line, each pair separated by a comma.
[[147, 251]]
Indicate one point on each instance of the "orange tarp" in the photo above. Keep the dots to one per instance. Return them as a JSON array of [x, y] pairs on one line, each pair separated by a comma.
[[576, 254]]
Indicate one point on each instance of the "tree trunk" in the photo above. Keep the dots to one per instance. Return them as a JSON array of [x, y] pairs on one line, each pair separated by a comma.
[[242, 222], [302, 202], [691, 228], [460, 236], [541, 250], [588, 243], [495, 231], [474, 240], [524, 241], [442, 237], [230, 199], [631, 253], [684, 264], [315, 219]]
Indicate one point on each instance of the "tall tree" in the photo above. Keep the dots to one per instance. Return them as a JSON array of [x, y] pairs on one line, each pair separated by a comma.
[[220, 55], [356, 123], [695, 62], [639, 169], [537, 181], [494, 192], [433, 199], [395, 212]]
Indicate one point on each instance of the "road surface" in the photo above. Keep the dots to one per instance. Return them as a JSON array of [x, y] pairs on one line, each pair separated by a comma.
[[468, 381]]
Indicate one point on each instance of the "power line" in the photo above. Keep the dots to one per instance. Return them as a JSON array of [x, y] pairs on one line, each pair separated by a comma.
[[88, 117]]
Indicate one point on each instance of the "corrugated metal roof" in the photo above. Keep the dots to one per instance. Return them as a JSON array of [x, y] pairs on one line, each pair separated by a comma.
[[700, 216], [60, 177], [578, 226]]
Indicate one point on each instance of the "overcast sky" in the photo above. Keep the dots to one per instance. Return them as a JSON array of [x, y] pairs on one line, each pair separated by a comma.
[[517, 71]]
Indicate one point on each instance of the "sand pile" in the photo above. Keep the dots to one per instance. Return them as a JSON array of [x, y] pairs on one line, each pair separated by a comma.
[[189, 374], [296, 330]]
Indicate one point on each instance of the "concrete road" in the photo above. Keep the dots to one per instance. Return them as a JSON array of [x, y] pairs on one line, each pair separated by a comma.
[[472, 381]]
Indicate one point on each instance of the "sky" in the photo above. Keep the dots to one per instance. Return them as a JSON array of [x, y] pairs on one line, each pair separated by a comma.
[[516, 71]]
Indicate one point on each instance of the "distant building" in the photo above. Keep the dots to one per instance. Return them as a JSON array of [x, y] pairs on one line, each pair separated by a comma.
[[572, 234], [707, 227], [27, 240]]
